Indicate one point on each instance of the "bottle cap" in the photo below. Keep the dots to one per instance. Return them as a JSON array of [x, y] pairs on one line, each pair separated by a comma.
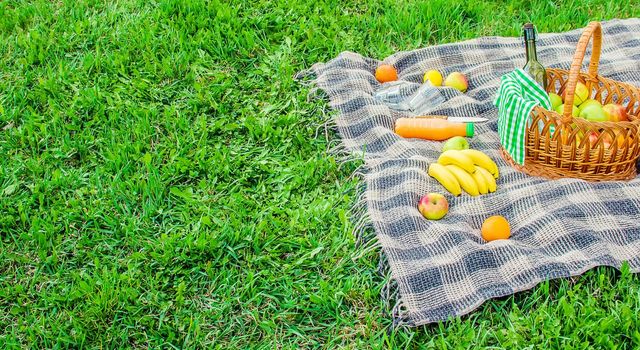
[[529, 31], [470, 130]]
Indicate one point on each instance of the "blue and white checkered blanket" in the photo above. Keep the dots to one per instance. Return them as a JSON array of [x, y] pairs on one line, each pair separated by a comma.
[[559, 228]]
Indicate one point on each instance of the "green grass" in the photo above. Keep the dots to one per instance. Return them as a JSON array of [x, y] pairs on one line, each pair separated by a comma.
[[161, 185]]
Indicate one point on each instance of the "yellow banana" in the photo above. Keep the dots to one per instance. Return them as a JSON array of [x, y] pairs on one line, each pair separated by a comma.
[[483, 160], [465, 179], [458, 158], [491, 182], [483, 187], [445, 178]]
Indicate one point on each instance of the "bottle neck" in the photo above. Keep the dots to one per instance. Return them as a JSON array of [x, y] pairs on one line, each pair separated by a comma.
[[530, 47]]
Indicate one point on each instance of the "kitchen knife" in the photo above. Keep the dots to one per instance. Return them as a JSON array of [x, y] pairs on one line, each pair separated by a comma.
[[457, 119]]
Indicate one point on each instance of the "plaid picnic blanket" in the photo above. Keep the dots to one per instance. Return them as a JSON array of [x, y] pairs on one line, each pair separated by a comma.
[[442, 269]]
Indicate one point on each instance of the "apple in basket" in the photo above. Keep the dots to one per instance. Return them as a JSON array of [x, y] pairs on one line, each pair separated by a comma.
[[593, 138], [433, 206], [607, 140], [615, 112], [581, 94], [593, 113], [555, 99], [588, 103], [574, 110]]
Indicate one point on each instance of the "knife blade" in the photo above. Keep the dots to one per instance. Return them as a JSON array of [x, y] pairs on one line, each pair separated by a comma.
[[457, 119], [467, 119]]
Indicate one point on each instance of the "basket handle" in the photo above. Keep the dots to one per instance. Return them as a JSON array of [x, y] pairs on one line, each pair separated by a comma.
[[592, 30]]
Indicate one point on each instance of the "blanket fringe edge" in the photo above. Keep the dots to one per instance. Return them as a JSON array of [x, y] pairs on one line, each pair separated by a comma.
[[363, 230]]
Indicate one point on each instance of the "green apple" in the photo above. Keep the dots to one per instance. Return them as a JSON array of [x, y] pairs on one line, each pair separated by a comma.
[[455, 143], [594, 113], [555, 99], [574, 111], [580, 95], [589, 102]]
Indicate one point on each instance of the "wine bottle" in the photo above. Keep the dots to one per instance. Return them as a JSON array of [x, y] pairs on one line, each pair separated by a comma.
[[533, 67]]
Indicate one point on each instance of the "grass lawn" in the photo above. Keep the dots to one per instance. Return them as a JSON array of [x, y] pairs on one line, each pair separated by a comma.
[[162, 185]]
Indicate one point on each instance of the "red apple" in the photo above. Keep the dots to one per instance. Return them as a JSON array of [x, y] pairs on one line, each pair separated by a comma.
[[433, 206], [615, 112], [593, 138], [607, 140]]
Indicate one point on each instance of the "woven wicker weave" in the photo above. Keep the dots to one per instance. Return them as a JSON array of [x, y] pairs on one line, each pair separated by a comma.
[[568, 152]]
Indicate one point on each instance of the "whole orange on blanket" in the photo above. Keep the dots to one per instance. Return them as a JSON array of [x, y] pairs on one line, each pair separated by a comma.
[[386, 73], [495, 227]]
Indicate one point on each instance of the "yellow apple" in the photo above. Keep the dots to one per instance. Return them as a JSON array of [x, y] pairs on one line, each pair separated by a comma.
[[433, 76], [581, 94], [457, 80]]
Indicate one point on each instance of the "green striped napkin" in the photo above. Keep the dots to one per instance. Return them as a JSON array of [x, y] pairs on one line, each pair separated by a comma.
[[517, 95]]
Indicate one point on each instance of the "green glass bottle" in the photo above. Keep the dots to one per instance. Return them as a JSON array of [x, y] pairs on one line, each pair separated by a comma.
[[533, 67]]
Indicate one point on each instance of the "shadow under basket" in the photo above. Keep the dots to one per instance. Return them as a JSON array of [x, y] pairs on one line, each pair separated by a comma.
[[558, 145]]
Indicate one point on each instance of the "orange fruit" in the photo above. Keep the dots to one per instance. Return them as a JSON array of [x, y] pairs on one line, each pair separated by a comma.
[[495, 227], [385, 73]]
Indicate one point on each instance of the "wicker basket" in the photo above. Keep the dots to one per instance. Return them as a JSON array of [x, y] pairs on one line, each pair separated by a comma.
[[567, 150]]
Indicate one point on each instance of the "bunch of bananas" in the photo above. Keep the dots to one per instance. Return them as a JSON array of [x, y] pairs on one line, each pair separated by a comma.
[[469, 170]]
